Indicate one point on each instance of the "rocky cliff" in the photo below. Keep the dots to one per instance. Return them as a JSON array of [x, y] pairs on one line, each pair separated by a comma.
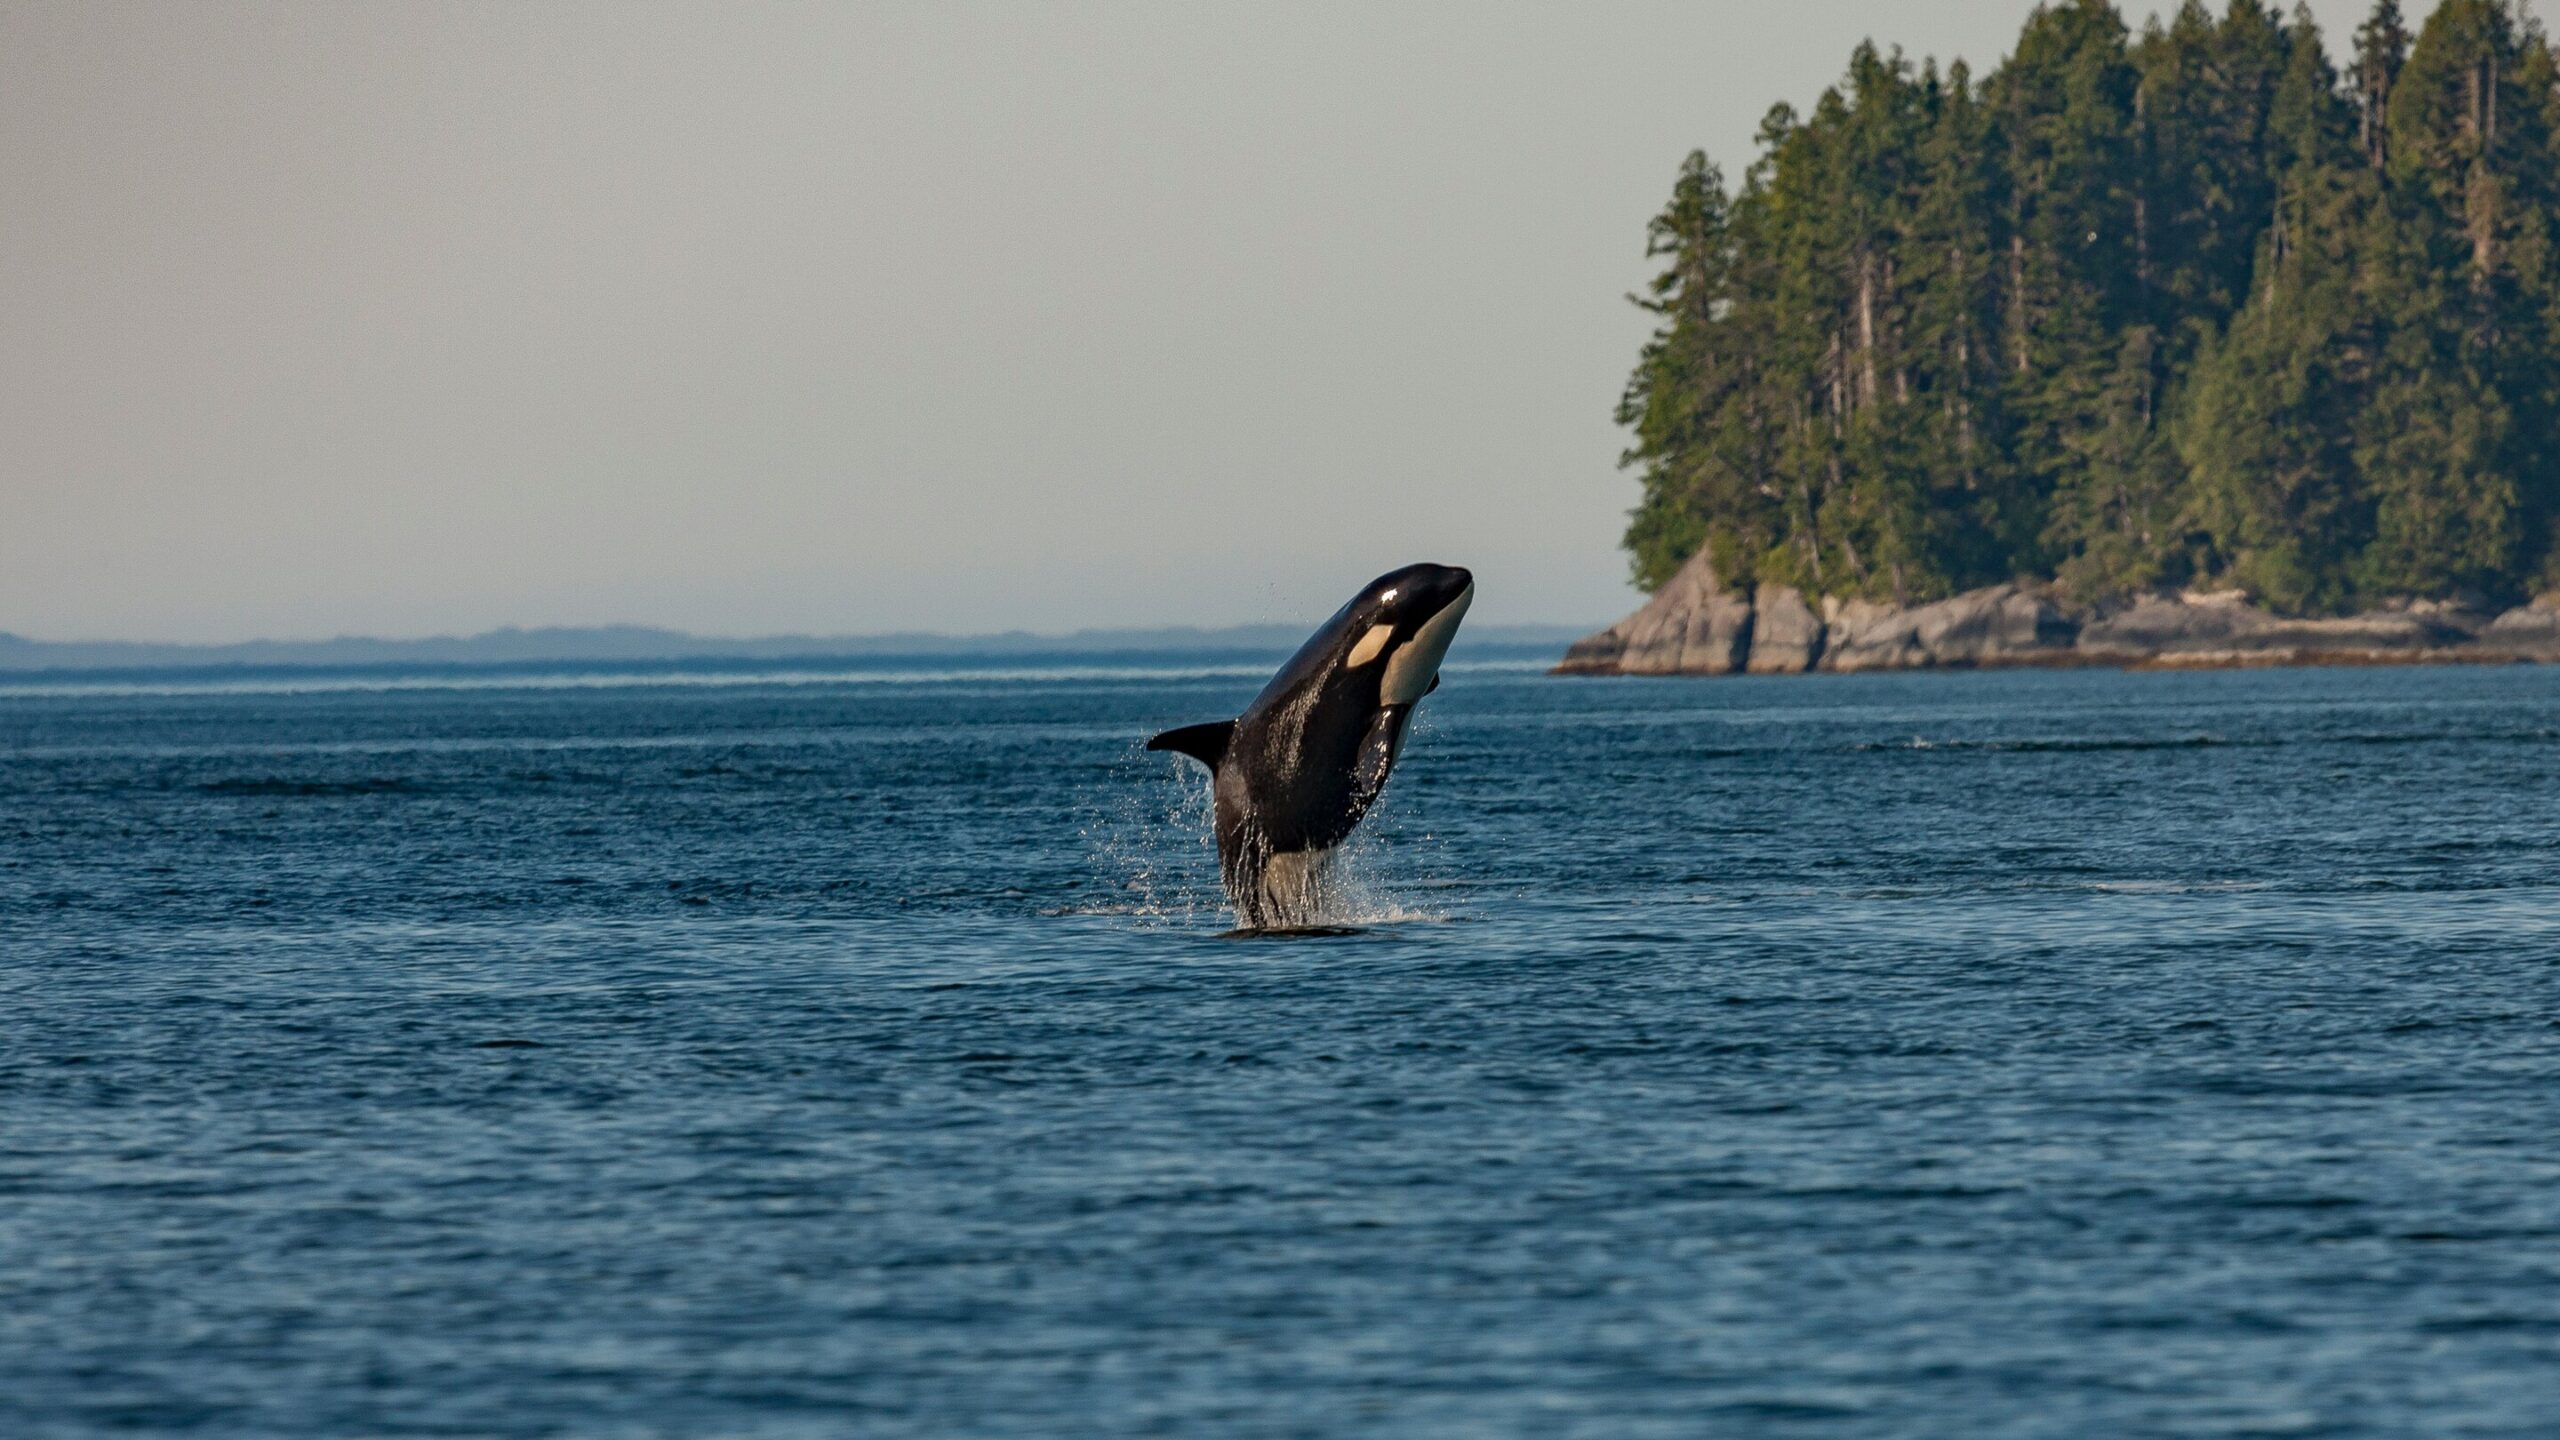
[[1694, 625]]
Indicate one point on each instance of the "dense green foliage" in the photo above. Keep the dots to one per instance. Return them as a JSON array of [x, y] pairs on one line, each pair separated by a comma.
[[2182, 308]]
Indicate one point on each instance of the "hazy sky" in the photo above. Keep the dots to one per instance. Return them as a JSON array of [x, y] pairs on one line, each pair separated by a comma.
[[411, 318]]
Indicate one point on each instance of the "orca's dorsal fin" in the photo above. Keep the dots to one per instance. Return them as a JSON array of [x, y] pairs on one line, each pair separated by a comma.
[[1204, 743]]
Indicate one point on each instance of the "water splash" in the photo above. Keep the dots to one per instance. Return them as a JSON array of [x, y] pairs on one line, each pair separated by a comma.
[[1154, 839], [1361, 886]]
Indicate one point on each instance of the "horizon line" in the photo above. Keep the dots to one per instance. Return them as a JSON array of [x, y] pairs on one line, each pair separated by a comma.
[[634, 627], [513, 646]]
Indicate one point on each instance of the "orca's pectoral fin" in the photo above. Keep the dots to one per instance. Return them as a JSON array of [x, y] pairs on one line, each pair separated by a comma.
[[1204, 743], [1378, 751]]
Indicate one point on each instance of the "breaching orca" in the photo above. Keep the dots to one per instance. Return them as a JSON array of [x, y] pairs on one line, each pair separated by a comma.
[[1307, 758]]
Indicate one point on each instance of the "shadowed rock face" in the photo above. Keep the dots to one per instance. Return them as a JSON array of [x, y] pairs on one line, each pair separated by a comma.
[[1786, 635], [1695, 626]]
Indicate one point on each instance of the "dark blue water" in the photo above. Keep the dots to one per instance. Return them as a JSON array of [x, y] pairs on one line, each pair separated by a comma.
[[1985, 1055]]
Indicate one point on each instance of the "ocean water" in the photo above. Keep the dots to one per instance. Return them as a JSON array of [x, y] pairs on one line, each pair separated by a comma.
[[2034, 1054]]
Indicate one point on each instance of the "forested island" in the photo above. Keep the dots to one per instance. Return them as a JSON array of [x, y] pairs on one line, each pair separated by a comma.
[[2133, 315]]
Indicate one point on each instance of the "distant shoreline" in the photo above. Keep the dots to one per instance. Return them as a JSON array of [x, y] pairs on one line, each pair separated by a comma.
[[645, 650]]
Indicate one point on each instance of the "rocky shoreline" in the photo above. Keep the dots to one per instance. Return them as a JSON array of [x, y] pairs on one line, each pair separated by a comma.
[[1695, 626]]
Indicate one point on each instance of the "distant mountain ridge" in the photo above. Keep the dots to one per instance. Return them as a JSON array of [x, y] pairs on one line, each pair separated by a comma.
[[515, 646]]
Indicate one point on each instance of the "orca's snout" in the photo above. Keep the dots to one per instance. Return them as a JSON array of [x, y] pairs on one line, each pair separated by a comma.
[[1438, 585], [1415, 593], [1462, 592]]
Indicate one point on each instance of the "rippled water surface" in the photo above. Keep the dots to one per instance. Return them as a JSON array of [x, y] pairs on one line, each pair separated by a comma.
[[2060, 1054]]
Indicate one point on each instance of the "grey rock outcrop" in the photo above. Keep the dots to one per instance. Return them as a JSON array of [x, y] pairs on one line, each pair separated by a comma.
[[1691, 626], [1695, 626], [2224, 629], [2000, 625], [2528, 632]]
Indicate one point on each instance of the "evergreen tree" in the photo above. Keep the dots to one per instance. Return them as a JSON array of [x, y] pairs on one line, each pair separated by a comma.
[[2202, 109], [2382, 47], [2456, 442], [2269, 409], [2065, 108], [1671, 399], [1956, 425]]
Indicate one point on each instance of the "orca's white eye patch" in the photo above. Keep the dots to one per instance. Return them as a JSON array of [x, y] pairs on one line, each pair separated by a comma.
[[1371, 646]]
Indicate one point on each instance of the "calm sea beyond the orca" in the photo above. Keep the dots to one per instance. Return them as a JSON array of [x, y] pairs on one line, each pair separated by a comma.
[[864, 1052]]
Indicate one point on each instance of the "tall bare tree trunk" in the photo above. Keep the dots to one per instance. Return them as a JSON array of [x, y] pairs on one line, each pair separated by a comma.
[[2018, 296], [1868, 388]]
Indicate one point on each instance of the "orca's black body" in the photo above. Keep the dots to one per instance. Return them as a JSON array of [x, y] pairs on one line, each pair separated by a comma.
[[1296, 771]]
